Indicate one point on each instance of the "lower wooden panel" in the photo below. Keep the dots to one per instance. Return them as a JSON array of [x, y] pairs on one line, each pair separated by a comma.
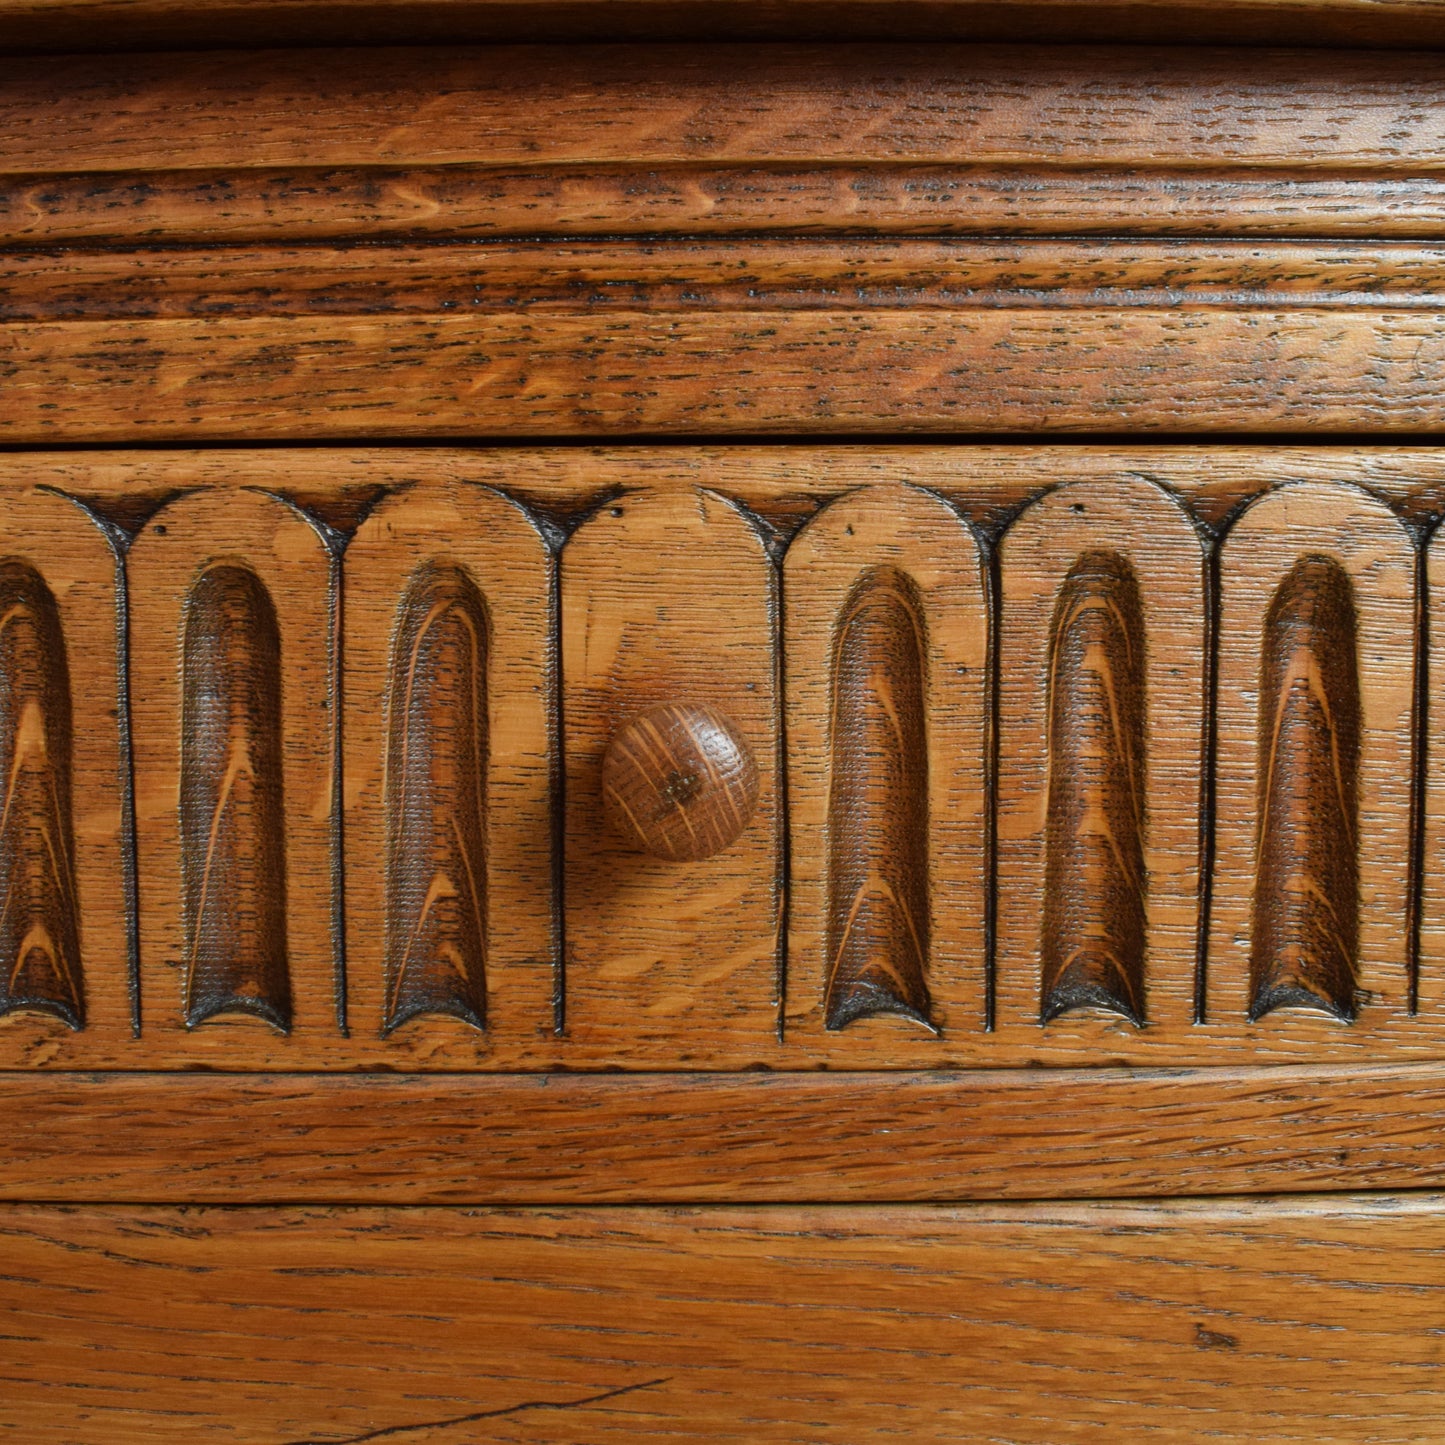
[[718, 1138], [1310, 1320]]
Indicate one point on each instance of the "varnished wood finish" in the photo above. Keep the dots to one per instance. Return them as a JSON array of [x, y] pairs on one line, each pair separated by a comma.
[[783, 485], [54, 25], [435, 800], [679, 782], [1305, 946], [233, 826], [886, 620], [667, 596], [892, 198], [1318, 582], [648, 371], [720, 1138], [1075, 830], [708, 333], [231, 679], [1094, 932], [500, 514], [719, 272], [640, 106], [1249, 1320], [40, 963], [449, 752], [1102, 716], [66, 915], [879, 925]]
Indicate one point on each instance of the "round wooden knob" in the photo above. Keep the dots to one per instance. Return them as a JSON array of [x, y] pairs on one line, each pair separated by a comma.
[[680, 782]]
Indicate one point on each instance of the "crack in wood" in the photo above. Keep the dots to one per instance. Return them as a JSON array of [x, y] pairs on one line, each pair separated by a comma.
[[391, 1431]]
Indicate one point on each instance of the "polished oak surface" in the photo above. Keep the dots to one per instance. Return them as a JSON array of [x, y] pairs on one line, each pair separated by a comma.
[[568, 803]]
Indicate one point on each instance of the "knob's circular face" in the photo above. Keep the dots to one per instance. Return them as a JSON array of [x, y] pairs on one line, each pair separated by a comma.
[[680, 782]]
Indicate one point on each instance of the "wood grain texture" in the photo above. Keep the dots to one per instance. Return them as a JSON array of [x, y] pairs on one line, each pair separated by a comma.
[[679, 782], [1330, 638], [1250, 1320], [233, 812], [64, 929], [808, 498], [300, 204], [867, 1137], [436, 801], [670, 598], [692, 273], [879, 924], [1101, 738], [783, 484], [40, 964], [232, 684], [450, 749], [651, 139], [498, 636], [1094, 935], [655, 105], [886, 630], [662, 372], [1305, 943]]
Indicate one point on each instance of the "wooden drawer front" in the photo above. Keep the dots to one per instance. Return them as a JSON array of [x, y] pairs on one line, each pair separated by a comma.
[[1067, 756], [1299, 1321]]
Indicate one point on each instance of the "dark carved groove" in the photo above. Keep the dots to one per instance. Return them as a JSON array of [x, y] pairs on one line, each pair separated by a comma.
[[878, 903], [1095, 913], [39, 909], [1307, 890], [436, 802], [233, 833]]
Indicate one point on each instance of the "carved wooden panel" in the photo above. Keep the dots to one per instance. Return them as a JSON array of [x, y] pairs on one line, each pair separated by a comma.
[[66, 951], [1313, 886], [887, 694], [233, 687], [1101, 739], [670, 598], [1011, 764], [449, 676]]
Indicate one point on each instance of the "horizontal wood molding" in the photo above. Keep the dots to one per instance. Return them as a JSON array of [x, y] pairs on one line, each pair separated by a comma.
[[718, 1138], [786, 335], [784, 484], [757, 372], [1281, 1320], [826, 240], [659, 105], [700, 276], [300, 204], [388, 143]]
